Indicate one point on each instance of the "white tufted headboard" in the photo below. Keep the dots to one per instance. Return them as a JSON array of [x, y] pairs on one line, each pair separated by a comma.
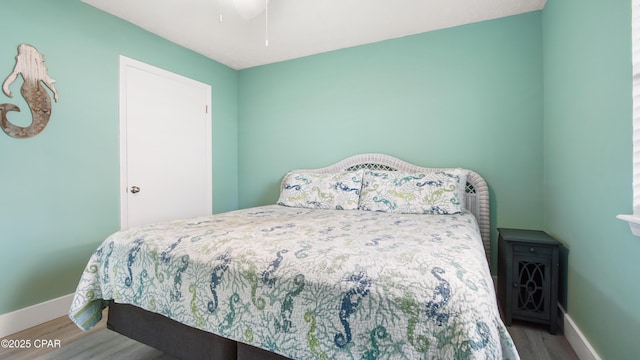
[[476, 194]]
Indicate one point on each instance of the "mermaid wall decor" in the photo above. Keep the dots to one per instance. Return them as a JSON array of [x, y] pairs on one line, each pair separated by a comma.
[[30, 65]]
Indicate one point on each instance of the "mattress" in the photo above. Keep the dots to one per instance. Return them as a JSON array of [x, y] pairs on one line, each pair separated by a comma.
[[309, 283]]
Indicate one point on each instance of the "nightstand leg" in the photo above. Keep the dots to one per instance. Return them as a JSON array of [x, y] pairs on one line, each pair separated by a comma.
[[553, 321]]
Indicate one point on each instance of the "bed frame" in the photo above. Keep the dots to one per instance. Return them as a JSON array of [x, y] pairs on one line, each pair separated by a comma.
[[184, 342]]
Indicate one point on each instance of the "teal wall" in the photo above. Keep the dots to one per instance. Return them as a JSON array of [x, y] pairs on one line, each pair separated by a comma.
[[60, 190], [539, 104], [468, 96], [588, 166]]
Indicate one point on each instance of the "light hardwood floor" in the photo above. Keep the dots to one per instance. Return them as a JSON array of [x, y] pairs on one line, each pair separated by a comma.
[[98, 343], [533, 342]]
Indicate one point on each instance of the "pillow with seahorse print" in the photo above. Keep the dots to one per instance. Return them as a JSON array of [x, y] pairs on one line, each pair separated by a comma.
[[339, 191], [437, 192]]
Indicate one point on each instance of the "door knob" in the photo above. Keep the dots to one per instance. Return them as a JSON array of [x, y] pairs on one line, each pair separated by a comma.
[[135, 189]]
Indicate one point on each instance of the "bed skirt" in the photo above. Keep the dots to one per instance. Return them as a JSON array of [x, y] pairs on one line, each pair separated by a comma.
[[161, 333]]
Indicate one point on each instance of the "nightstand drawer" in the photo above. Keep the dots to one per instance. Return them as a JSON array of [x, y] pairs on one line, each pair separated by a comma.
[[532, 249]]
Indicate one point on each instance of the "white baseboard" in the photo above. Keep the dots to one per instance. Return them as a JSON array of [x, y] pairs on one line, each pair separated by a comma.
[[576, 338], [16, 321]]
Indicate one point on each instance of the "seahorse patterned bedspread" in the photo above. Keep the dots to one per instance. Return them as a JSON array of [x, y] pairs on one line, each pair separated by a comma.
[[306, 283]]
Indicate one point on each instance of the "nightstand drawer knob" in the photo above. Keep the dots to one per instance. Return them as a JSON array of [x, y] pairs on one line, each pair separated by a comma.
[[515, 284], [532, 249]]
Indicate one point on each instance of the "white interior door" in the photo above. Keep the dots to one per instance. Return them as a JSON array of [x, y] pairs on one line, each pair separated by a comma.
[[165, 145]]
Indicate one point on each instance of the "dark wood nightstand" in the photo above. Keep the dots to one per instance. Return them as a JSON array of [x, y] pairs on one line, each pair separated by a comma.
[[528, 264]]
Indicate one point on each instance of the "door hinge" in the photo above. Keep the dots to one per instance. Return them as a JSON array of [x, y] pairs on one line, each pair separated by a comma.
[[206, 109]]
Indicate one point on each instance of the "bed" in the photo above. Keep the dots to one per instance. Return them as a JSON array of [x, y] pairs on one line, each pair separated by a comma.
[[369, 258]]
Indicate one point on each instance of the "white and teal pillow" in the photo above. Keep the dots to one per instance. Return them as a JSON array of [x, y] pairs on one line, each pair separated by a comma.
[[322, 191], [437, 192]]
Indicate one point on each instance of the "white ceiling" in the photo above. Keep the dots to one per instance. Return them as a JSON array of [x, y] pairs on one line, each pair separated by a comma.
[[299, 28]]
